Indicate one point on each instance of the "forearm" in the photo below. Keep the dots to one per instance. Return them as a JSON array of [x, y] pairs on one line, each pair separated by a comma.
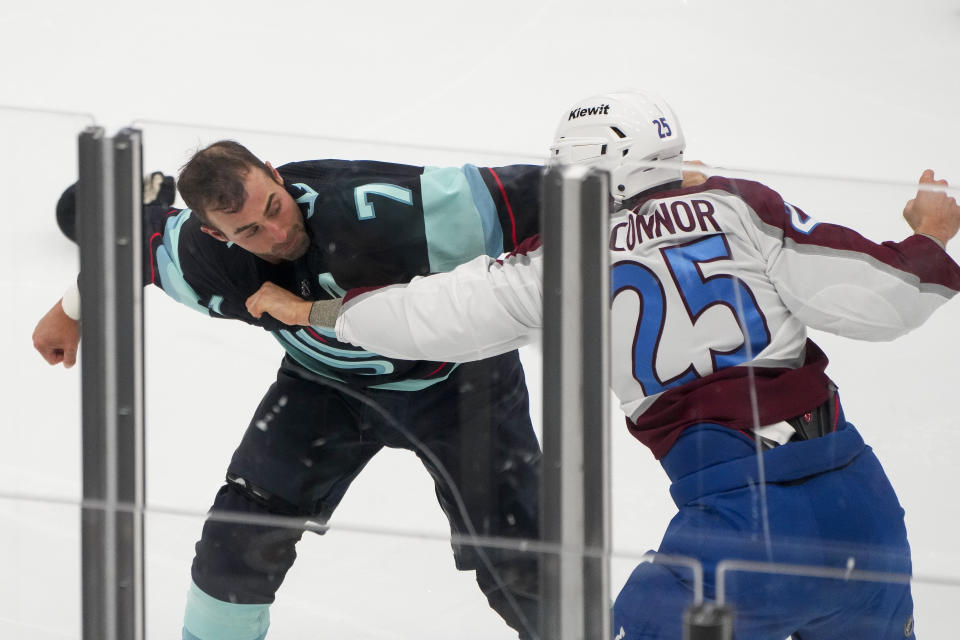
[[482, 308]]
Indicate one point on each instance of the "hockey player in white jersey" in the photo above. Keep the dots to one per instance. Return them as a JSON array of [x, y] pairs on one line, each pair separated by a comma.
[[712, 290]]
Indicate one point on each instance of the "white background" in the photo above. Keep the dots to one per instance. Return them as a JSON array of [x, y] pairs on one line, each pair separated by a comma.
[[840, 106]]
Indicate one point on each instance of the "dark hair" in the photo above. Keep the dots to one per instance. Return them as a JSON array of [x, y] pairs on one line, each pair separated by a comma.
[[213, 178]]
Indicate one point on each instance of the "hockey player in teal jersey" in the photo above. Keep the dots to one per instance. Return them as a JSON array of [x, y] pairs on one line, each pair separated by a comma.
[[312, 230]]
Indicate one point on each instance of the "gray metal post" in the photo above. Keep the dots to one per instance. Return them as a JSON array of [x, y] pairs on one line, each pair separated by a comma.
[[575, 591], [109, 230]]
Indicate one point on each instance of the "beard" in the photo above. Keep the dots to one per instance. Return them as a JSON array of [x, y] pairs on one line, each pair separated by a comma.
[[294, 248]]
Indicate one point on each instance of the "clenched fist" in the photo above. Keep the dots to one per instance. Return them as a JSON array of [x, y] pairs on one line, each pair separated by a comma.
[[57, 337], [933, 213], [288, 308]]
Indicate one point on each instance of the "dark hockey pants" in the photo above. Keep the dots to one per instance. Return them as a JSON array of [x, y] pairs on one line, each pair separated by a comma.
[[301, 459]]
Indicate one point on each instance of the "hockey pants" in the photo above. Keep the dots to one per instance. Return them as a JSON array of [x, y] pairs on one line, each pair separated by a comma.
[[827, 503], [475, 425]]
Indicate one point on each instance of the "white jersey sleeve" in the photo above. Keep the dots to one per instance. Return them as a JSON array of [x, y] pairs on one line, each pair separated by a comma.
[[848, 285], [482, 308]]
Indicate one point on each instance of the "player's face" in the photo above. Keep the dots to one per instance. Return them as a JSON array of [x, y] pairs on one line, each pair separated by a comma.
[[269, 225]]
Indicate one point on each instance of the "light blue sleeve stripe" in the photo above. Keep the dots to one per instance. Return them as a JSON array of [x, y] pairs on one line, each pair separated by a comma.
[[326, 332], [214, 304], [288, 342], [319, 346], [330, 285], [483, 201], [306, 361], [310, 363], [453, 225], [207, 618], [168, 265]]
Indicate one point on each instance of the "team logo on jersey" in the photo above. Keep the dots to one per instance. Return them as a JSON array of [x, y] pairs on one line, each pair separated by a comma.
[[601, 110], [309, 199]]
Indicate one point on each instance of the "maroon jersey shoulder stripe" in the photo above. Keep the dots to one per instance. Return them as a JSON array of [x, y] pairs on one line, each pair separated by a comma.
[[916, 255], [529, 245], [357, 291]]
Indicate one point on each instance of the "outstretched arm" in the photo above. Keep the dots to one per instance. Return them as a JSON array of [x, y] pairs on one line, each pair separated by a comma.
[[482, 308], [834, 279]]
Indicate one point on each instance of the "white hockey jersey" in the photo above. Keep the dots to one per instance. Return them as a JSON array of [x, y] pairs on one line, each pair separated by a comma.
[[704, 281]]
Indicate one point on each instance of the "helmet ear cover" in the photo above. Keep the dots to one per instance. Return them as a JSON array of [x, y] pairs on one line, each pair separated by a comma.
[[628, 134], [579, 150]]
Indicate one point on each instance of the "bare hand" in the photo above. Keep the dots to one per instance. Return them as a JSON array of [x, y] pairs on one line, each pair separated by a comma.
[[933, 213], [57, 337], [693, 178], [288, 308]]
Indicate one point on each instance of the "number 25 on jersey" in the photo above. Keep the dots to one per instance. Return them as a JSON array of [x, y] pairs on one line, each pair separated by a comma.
[[698, 294]]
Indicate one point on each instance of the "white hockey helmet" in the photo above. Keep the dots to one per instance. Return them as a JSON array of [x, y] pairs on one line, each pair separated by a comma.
[[627, 133]]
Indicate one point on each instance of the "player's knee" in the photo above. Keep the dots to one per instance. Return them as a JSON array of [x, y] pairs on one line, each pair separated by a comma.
[[243, 562]]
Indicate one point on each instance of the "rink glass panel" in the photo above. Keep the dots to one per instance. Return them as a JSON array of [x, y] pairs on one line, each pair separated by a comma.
[[40, 462], [385, 568], [893, 392]]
